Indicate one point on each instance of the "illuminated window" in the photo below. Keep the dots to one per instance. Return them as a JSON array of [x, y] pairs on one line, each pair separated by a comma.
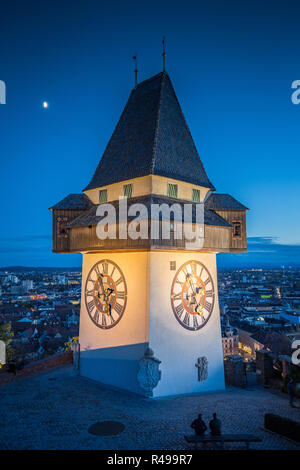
[[127, 189], [196, 195], [103, 195], [172, 190], [236, 229], [172, 231]]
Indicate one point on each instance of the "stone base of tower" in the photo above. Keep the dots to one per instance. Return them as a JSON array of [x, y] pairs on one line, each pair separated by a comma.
[[116, 356], [116, 366]]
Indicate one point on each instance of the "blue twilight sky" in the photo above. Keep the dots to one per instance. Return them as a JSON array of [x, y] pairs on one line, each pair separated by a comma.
[[232, 65]]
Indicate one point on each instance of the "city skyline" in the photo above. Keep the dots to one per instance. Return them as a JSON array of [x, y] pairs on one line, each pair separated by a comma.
[[232, 69]]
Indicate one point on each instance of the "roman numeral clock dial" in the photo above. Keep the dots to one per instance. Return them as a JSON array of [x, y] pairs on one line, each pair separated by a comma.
[[105, 294], [192, 295]]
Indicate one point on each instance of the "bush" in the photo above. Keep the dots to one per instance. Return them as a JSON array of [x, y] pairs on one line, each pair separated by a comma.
[[283, 426]]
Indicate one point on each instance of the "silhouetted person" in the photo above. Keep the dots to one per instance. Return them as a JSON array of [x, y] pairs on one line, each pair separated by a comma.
[[215, 426], [291, 391], [199, 425]]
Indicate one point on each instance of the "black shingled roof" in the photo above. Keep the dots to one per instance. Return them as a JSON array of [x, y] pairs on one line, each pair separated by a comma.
[[223, 202], [151, 137], [90, 217], [73, 201]]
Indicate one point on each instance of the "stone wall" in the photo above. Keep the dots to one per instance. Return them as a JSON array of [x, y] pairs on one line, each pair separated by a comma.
[[37, 367], [266, 375], [235, 371], [264, 363]]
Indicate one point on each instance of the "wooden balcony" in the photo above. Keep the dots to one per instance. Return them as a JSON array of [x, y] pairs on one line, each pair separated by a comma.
[[74, 231], [85, 239]]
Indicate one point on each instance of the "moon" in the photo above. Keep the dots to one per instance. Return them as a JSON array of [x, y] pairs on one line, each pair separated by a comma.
[[45, 104]]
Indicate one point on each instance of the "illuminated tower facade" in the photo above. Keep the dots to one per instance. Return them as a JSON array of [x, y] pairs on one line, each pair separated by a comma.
[[150, 320]]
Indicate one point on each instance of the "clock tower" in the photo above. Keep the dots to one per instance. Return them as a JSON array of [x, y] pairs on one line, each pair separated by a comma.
[[150, 320]]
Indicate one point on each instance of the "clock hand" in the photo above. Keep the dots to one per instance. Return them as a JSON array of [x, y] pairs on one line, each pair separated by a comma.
[[194, 293], [108, 308], [100, 279], [191, 285], [200, 291], [107, 294], [199, 310]]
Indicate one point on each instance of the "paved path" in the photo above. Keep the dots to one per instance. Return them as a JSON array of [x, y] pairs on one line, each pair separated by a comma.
[[53, 410]]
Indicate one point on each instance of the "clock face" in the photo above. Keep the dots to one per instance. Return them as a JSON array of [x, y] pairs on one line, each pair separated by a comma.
[[105, 294], [192, 295]]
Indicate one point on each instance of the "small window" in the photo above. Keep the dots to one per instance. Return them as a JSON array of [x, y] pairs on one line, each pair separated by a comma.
[[172, 231], [61, 224], [103, 195], [236, 229], [172, 190], [196, 195], [172, 265], [127, 189]]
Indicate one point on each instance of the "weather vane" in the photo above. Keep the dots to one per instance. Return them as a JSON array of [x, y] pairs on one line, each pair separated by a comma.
[[164, 54], [135, 70]]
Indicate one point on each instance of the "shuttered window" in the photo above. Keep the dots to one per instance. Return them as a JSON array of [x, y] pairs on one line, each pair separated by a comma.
[[103, 195], [236, 229], [61, 225], [172, 265], [196, 195], [127, 188], [172, 190]]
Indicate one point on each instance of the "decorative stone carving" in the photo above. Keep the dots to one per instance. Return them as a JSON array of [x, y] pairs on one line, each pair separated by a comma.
[[202, 366], [148, 374]]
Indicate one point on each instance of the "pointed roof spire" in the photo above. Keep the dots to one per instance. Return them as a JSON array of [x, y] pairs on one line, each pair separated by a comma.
[[151, 137], [164, 53], [135, 70]]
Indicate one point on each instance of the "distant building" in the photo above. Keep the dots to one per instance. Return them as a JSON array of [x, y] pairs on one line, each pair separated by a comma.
[[22, 324], [17, 290], [230, 339], [27, 285], [10, 278], [62, 281], [292, 316], [248, 345], [73, 318]]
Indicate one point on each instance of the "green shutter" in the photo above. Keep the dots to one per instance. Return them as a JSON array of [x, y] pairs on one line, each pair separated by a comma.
[[103, 195], [196, 195], [127, 190], [172, 190]]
